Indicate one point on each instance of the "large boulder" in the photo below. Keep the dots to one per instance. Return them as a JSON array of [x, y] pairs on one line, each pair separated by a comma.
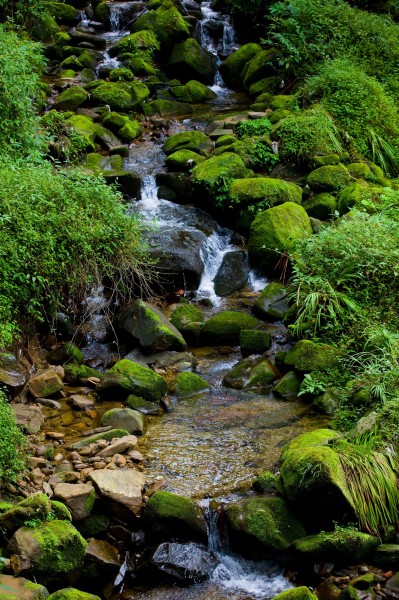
[[12, 373], [254, 341], [19, 588], [262, 524], [142, 40], [71, 99], [122, 486], [121, 96], [126, 418], [264, 192], [313, 480], [183, 160], [224, 328], [184, 561], [322, 206], [166, 22], [63, 13], [78, 497], [52, 547], [127, 377], [193, 92], [275, 231], [227, 165], [330, 178], [307, 356], [251, 373], [72, 594], [259, 67], [188, 140], [232, 274], [188, 319], [191, 61], [272, 304], [168, 516], [345, 547], [232, 67], [150, 327], [29, 417]]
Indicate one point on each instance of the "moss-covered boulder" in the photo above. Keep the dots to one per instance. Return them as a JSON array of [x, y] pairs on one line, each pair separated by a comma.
[[71, 62], [35, 506], [225, 327], [330, 178], [196, 141], [193, 92], [150, 327], [227, 165], [265, 483], [191, 61], [80, 373], [45, 27], [251, 374], [254, 341], [275, 231], [258, 68], [140, 40], [130, 131], [345, 547], [183, 160], [66, 353], [264, 524], [358, 194], [288, 387], [19, 588], [360, 170], [328, 402], [272, 304], [188, 319], [109, 435], [322, 206], [232, 67], [299, 593], [63, 13], [166, 22], [71, 99], [314, 481], [307, 356], [114, 121], [167, 108], [72, 594], [121, 74], [264, 190], [189, 384], [168, 515], [121, 96], [53, 547], [127, 377], [126, 418]]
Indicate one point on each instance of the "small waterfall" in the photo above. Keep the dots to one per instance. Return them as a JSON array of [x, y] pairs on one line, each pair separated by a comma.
[[119, 14], [212, 253]]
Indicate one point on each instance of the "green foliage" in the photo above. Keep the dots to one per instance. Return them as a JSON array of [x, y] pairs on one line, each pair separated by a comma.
[[71, 144], [259, 154], [311, 385], [21, 13], [61, 233], [13, 445], [255, 127], [21, 63]]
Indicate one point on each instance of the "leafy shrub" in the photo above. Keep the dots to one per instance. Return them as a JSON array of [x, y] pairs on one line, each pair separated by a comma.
[[71, 144], [61, 232], [13, 444], [255, 127], [21, 12]]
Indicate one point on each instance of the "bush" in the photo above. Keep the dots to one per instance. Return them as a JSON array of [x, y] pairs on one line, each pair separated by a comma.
[[261, 126], [13, 444], [21, 12], [61, 232]]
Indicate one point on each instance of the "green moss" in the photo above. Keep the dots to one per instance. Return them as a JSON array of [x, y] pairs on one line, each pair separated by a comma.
[[279, 115], [88, 59], [322, 206], [183, 160], [45, 27], [319, 437], [67, 74], [276, 231], [232, 67], [61, 512], [91, 439], [225, 327], [254, 342], [130, 131], [167, 108], [192, 61], [288, 387], [272, 303], [166, 22], [329, 178], [188, 319], [196, 141], [344, 546], [93, 525], [72, 594], [251, 374], [265, 483], [225, 140], [187, 384], [121, 74], [71, 62], [141, 39], [227, 165], [265, 523], [139, 380], [258, 68], [114, 121], [264, 192], [357, 195], [193, 92], [299, 593], [139, 66], [265, 86], [307, 356], [359, 170], [71, 99], [36, 506], [80, 373], [122, 96], [325, 160], [170, 515], [62, 548], [283, 102]]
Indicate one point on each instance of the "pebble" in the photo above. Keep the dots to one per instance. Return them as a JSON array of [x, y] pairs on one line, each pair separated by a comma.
[[84, 473], [99, 465], [135, 455], [58, 457], [81, 466], [119, 460], [75, 455], [55, 435]]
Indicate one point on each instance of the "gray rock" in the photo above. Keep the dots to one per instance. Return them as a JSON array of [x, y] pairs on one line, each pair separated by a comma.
[[29, 417], [124, 486], [45, 383], [272, 303], [118, 446], [232, 274], [12, 373], [124, 418], [184, 561], [78, 497]]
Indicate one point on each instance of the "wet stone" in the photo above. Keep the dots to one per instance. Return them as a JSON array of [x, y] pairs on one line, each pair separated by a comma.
[[185, 562], [80, 402], [29, 418]]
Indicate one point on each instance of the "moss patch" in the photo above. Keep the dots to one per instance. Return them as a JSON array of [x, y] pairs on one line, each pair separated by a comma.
[[169, 515], [188, 384], [225, 327]]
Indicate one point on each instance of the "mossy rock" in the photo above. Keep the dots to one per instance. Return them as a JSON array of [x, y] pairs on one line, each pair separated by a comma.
[[227, 165], [167, 108], [45, 27], [104, 435], [251, 374], [188, 319], [19, 588], [71, 62], [279, 115], [122, 96], [53, 547], [37, 506], [127, 377], [324, 160], [318, 437], [254, 341], [307, 356], [60, 511], [386, 556], [283, 102], [93, 525], [102, 12], [121, 74], [232, 67], [80, 373], [264, 524], [139, 66], [144, 406], [169, 516], [225, 140], [313, 480], [67, 353], [114, 121], [131, 420], [89, 58], [72, 594], [344, 547], [354, 195], [258, 67], [264, 86], [189, 384], [299, 593], [265, 190], [196, 141], [150, 327], [359, 170], [331, 178], [84, 125], [63, 13], [67, 74], [272, 304], [130, 131], [276, 231], [183, 160], [166, 22], [265, 483], [193, 92], [141, 39], [191, 61], [328, 402], [288, 387], [225, 327], [322, 206], [71, 99]]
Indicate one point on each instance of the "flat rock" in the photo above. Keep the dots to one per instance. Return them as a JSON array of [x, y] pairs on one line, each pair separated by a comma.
[[126, 418], [184, 561], [128, 442], [78, 497], [103, 553], [45, 383], [124, 486], [29, 417], [81, 402], [18, 587]]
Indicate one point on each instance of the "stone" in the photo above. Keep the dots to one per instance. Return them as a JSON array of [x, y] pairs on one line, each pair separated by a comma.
[[29, 417], [232, 274], [123, 486], [127, 377], [196, 141], [346, 547], [264, 192], [19, 588], [166, 22], [330, 178], [35, 506], [150, 327], [299, 593], [184, 562], [71, 99], [101, 557], [144, 406], [272, 304], [189, 384], [386, 556], [288, 387], [224, 328], [307, 356], [144, 39], [258, 68], [111, 434], [251, 373], [118, 446], [192, 92], [227, 165], [266, 483], [80, 402], [72, 594], [78, 497], [122, 96], [265, 524], [183, 160], [232, 67], [328, 402], [12, 373], [53, 547], [322, 206], [188, 319], [131, 420], [253, 341], [45, 383], [191, 61]]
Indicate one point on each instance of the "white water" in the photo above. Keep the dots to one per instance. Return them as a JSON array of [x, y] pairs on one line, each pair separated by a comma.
[[212, 253]]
